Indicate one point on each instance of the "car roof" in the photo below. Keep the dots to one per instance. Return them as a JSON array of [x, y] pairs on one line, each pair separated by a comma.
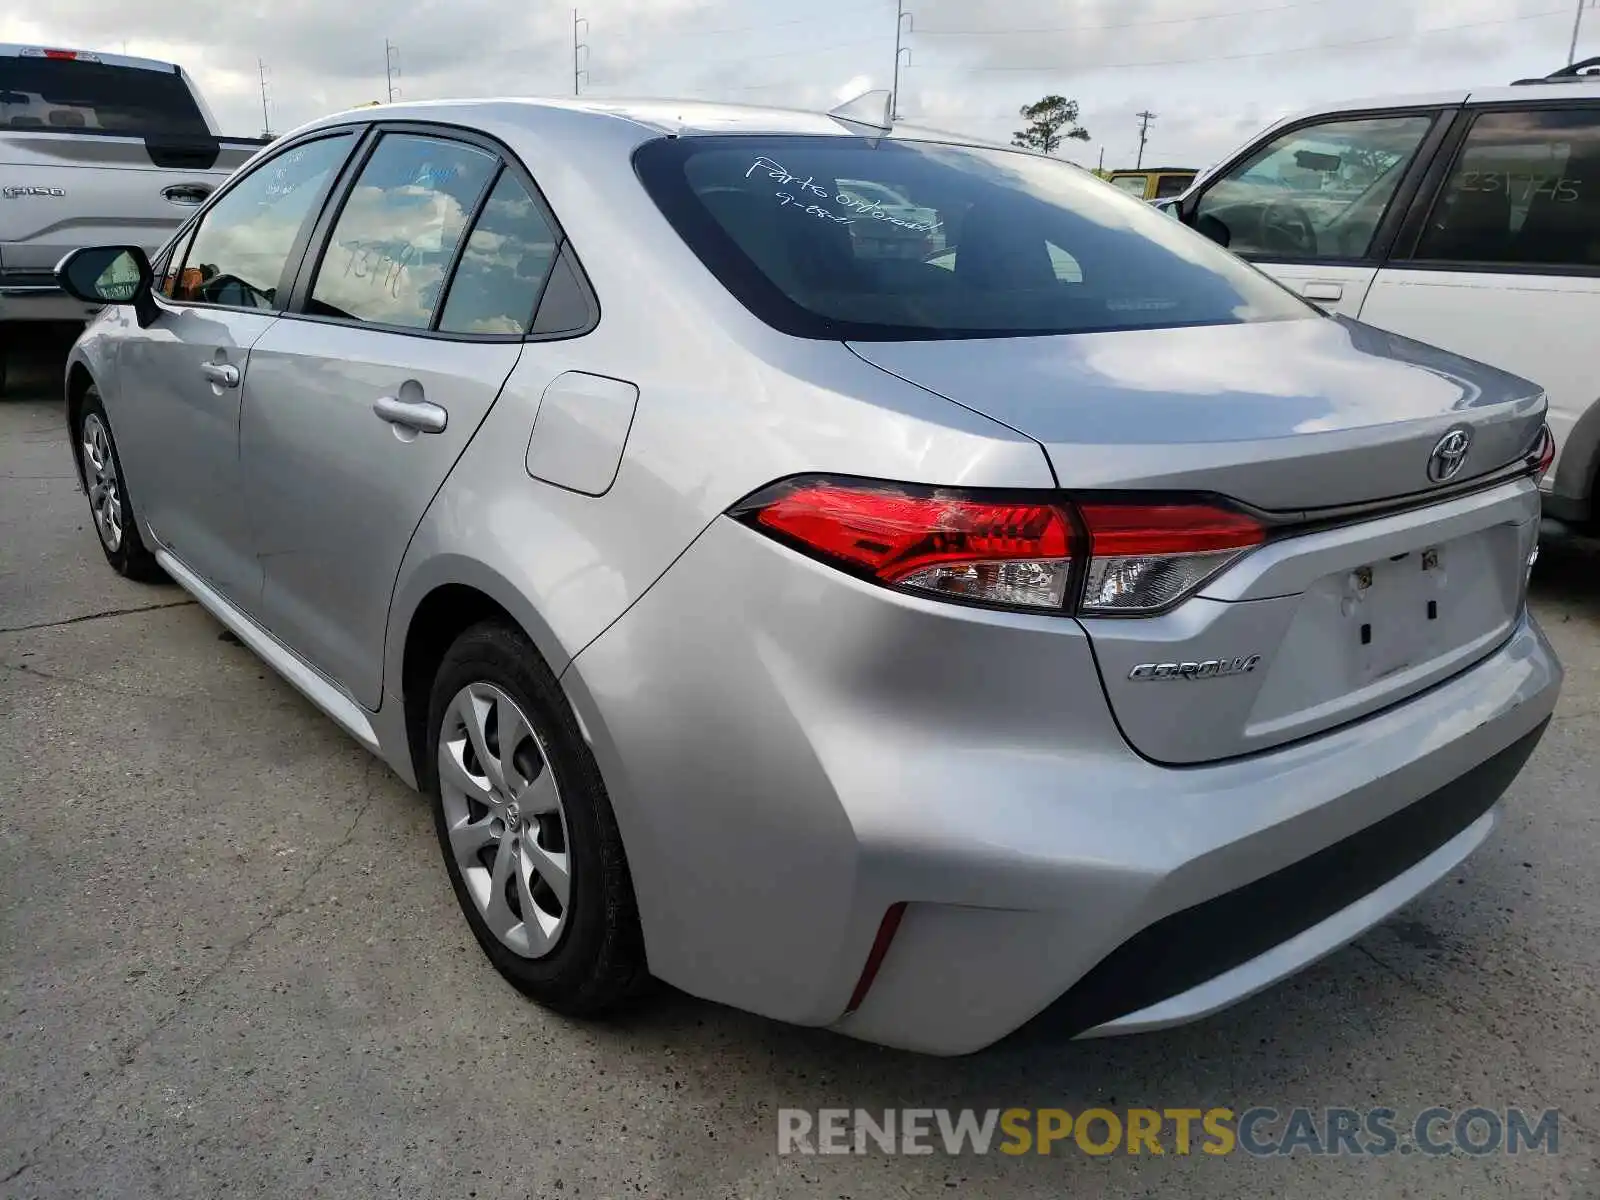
[[675, 118], [1585, 89], [20, 50]]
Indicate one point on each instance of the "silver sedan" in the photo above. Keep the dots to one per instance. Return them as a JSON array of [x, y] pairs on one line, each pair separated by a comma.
[[1061, 619]]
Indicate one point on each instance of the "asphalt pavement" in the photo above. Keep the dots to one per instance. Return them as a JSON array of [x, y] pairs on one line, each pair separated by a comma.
[[230, 963]]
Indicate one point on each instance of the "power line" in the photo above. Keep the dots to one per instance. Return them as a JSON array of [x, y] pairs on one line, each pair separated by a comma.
[[1144, 130], [1237, 12], [1172, 62], [832, 14]]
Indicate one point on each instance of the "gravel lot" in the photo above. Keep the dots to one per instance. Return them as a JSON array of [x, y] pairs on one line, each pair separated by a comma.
[[230, 962]]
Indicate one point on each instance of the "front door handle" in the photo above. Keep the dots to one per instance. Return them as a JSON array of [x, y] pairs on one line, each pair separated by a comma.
[[422, 415], [1322, 291], [221, 374]]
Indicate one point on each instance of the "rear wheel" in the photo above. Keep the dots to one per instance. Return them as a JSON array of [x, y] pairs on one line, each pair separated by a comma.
[[528, 835], [114, 520]]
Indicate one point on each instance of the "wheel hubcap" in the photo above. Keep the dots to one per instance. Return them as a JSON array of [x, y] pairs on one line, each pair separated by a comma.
[[507, 828], [105, 490]]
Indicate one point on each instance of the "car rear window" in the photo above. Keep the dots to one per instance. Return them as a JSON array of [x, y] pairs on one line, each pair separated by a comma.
[[61, 95], [848, 237]]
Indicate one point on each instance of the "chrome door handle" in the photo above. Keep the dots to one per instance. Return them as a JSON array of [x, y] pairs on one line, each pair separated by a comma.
[[1322, 291], [422, 415], [221, 374]]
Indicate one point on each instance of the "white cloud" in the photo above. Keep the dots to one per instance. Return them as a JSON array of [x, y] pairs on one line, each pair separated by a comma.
[[853, 87]]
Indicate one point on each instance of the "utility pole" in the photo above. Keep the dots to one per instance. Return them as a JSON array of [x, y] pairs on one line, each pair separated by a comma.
[[391, 66], [266, 121], [1102, 165], [1144, 133], [577, 72], [1577, 22], [904, 23]]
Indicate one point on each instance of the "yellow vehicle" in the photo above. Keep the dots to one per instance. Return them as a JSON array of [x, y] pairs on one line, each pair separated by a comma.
[[1153, 183]]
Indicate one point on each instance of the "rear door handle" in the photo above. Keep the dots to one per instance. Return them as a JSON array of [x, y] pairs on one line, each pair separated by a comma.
[[221, 374], [1322, 291], [422, 415]]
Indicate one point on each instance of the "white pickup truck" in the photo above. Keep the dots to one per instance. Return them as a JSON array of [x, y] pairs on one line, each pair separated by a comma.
[[94, 149]]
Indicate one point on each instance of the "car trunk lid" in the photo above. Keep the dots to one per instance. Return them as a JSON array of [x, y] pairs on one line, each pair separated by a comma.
[[1378, 577]]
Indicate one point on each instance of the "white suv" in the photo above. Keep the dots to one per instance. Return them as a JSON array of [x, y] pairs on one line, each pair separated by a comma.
[[1469, 220]]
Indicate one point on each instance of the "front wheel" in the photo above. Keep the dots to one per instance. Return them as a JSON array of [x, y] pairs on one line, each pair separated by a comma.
[[529, 839], [114, 519]]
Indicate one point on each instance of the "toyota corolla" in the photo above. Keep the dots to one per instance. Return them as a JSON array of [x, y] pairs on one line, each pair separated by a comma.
[[1066, 617]]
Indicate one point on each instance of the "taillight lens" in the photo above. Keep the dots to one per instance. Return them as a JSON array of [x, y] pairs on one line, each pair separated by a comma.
[[1137, 558], [1543, 453], [1146, 557], [990, 552]]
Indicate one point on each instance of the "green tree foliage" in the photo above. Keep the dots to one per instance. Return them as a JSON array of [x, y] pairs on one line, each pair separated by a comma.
[[1051, 121]]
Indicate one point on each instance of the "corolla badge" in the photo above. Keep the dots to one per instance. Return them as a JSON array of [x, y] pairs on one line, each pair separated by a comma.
[[1209, 668], [15, 191], [1449, 455]]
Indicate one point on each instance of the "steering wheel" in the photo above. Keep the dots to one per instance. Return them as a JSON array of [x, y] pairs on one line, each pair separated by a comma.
[[1286, 229]]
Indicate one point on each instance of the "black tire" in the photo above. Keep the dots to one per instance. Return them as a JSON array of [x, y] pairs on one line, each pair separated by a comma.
[[598, 963], [130, 557]]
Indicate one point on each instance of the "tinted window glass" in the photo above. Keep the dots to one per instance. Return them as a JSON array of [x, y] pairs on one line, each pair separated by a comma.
[[1525, 189], [73, 96], [1134, 185], [243, 243], [1316, 192], [983, 243], [503, 267], [1171, 185], [399, 229]]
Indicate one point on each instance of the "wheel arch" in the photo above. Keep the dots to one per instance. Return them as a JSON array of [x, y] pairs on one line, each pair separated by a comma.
[[79, 381], [439, 604], [1578, 473]]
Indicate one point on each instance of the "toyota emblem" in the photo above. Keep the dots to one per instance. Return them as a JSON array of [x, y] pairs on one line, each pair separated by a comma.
[[1449, 455]]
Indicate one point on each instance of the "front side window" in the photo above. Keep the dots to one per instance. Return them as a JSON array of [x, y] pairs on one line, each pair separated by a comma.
[[1524, 191], [503, 268], [1317, 192], [843, 237], [167, 271], [398, 232], [243, 244]]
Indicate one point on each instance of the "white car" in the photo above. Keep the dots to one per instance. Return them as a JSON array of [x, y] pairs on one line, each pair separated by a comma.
[[1468, 220]]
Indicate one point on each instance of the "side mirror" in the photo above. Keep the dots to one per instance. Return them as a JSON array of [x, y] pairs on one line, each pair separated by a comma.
[[109, 275]]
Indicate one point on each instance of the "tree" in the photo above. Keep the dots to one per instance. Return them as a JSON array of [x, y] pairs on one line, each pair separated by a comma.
[[1050, 122]]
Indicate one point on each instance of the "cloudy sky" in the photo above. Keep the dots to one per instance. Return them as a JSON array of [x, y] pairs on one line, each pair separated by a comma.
[[1213, 70]]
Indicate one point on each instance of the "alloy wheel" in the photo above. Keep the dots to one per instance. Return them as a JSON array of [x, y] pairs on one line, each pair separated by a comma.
[[105, 489], [503, 813]]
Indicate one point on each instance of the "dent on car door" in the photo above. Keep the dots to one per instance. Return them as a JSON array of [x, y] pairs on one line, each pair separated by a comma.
[[179, 378], [1306, 205], [1506, 269], [357, 410]]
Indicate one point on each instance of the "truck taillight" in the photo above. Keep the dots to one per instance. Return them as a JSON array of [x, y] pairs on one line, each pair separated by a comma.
[[1002, 550]]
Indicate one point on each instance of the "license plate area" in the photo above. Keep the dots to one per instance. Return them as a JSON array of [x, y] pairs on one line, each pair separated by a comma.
[[1400, 611]]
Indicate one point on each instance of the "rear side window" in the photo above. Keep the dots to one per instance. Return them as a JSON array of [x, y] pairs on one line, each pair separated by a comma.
[[1168, 186], [76, 96], [1524, 191], [239, 253], [504, 266], [399, 229], [843, 237]]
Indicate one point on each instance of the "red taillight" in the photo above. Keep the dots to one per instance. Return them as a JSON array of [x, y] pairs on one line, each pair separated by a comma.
[[1017, 553], [1144, 557], [995, 552], [1544, 453]]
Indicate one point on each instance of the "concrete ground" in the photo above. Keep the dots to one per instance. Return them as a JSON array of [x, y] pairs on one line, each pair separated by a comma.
[[230, 962]]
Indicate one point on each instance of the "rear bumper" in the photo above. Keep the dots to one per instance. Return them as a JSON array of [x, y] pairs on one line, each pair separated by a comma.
[[790, 752]]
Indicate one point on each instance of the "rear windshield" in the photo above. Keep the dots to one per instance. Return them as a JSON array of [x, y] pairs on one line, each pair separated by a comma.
[[844, 237], [72, 96]]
